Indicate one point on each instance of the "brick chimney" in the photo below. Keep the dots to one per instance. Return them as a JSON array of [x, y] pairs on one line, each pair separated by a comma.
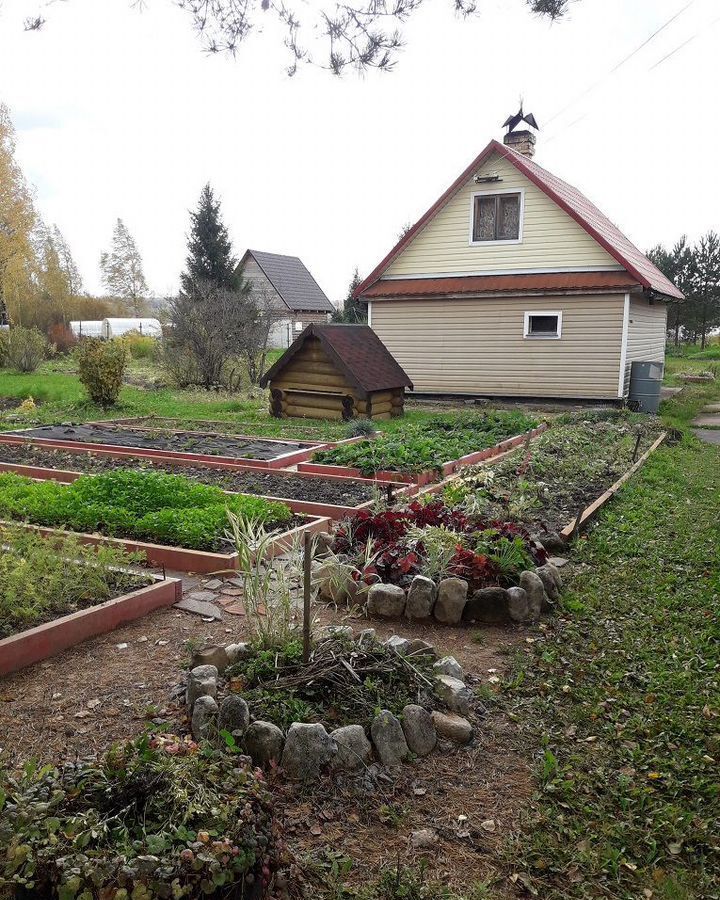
[[521, 141]]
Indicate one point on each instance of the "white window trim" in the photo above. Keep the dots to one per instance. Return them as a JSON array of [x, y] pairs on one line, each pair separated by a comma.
[[369, 306], [518, 239], [542, 337]]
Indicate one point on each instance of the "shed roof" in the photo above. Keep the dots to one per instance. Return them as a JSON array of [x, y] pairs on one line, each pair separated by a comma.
[[292, 280], [356, 351], [568, 198]]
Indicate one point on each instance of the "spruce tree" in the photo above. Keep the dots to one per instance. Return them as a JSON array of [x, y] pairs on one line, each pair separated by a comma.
[[353, 311], [210, 261]]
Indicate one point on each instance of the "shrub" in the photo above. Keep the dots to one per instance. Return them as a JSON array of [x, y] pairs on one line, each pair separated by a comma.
[[26, 348], [61, 337], [149, 506], [156, 818], [41, 580], [101, 366], [141, 346], [360, 428]]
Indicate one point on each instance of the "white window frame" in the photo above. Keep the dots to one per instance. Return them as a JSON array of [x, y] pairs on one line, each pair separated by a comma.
[[518, 239], [298, 327], [542, 337]]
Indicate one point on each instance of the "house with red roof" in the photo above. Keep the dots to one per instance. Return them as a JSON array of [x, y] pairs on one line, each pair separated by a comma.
[[513, 284]]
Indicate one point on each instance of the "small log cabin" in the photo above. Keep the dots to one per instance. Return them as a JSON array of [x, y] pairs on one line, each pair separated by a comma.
[[337, 372]]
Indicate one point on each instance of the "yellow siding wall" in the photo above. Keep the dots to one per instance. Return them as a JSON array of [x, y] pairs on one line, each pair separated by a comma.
[[647, 328], [476, 346], [551, 238]]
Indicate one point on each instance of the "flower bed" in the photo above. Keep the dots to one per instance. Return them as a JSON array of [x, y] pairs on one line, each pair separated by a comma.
[[54, 595], [560, 474], [421, 453], [264, 700], [334, 496], [198, 446], [150, 820], [148, 506]]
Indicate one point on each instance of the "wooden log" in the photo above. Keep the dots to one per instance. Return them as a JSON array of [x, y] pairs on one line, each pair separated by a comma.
[[312, 412], [310, 368], [322, 401], [311, 380]]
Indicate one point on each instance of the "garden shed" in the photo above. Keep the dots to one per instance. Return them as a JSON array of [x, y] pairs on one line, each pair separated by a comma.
[[337, 372]]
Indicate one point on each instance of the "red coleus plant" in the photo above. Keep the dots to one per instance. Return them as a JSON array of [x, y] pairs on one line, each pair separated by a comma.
[[475, 568]]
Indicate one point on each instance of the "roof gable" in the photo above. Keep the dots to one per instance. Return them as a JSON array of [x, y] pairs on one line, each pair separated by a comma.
[[292, 280], [619, 249], [356, 351]]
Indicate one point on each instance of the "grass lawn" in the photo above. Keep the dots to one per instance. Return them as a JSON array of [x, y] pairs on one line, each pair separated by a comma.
[[619, 700]]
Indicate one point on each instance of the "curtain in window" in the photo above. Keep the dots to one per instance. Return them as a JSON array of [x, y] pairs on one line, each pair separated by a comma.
[[509, 217], [484, 219]]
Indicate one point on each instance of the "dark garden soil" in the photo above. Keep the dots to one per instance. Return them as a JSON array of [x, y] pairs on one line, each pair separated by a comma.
[[182, 441], [108, 689], [269, 484]]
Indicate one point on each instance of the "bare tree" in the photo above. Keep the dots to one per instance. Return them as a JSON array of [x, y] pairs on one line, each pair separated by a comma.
[[361, 36], [122, 270], [263, 315]]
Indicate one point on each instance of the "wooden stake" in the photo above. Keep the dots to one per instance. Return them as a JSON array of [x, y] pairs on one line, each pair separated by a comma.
[[307, 589], [637, 447], [390, 495], [578, 523]]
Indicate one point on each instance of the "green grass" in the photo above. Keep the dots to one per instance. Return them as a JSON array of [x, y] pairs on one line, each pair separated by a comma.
[[620, 696]]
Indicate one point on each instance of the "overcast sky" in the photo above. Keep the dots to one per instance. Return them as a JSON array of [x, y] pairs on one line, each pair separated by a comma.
[[119, 112]]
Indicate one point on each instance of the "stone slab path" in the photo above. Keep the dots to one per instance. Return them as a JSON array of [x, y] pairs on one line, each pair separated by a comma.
[[707, 424]]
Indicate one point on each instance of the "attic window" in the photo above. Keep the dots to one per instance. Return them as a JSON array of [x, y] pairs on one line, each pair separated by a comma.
[[543, 325], [496, 217]]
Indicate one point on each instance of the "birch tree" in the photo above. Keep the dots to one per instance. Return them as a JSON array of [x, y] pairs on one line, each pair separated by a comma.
[[122, 270]]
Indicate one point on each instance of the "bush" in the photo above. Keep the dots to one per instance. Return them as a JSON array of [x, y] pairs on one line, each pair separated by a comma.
[[101, 366], [26, 348], [141, 346], [62, 338], [148, 506], [152, 819]]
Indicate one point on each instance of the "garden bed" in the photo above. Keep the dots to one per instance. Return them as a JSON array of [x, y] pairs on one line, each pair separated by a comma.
[[192, 445], [561, 473], [172, 520], [333, 496], [421, 454], [56, 594]]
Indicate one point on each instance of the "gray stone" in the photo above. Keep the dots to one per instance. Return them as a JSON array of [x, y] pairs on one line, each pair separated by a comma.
[[552, 591], [558, 561], [552, 541], [451, 600], [389, 739], [455, 694], [210, 655], [535, 590], [204, 718], [518, 606], [146, 864], [354, 750], [234, 715], [448, 665], [336, 632], [418, 647], [420, 598], [386, 601], [453, 727], [398, 644], [264, 742], [308, 749], [237, 652], [213, 585], [202, 682], [419, 731], [323, 544], [334, 582], [367, 637], [423, 839], [199, 608], [487, 605]]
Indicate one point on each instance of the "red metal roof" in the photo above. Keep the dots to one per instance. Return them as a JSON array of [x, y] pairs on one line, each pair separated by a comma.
[[560, 282], [356, 351], [568, 198]]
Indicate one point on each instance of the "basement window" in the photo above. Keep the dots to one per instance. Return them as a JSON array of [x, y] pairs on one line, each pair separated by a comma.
[[298, 326], [543, 325], [496, 217]]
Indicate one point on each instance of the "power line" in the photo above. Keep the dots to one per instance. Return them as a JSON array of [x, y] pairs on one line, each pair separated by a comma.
[[684, 44], [621, 62]]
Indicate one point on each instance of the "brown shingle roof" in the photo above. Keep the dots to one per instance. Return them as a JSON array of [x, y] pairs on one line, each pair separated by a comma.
[[356, 351], [560, 282]]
